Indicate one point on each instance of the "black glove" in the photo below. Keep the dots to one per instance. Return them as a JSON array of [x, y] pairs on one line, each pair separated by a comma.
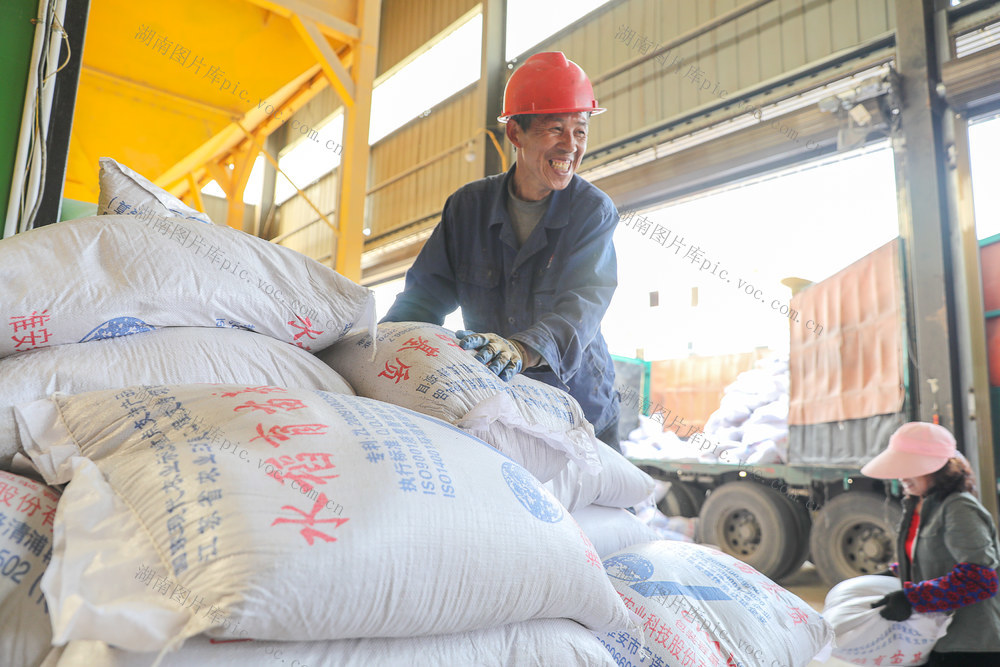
[[897, 607]]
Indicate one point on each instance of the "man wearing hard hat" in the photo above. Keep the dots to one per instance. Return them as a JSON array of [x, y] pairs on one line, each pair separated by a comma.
[[528, 255]]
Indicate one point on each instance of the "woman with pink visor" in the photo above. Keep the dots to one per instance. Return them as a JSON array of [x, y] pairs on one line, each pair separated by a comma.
[[947, 545]]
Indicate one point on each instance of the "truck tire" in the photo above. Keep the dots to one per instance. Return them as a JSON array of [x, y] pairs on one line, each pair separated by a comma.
[[803, 526], [681, 500], [751, 522], [854, 534]]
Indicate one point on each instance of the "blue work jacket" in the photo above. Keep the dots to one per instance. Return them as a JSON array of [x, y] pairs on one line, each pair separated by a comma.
[[550, 294]]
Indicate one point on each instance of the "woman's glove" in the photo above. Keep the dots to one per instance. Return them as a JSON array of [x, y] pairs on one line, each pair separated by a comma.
[[896, 606], [500, 355]]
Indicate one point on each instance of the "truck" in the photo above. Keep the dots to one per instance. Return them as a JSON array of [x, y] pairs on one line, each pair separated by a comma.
[[848, 392]]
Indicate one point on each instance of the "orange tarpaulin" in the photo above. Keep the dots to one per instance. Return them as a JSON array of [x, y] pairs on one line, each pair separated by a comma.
[[853, 368]]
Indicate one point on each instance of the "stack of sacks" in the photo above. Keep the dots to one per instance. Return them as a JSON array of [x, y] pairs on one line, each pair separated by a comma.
[[864, 637], [679, 528], [665, 527], [751, 424], [700, 606], [420, 366], [216, 277], [227, 307], [647, 428], [650, 441], [335, 517], [27, 511], [619, 483], [173, 354], [124, 192], [597, 501], [540, 642], [158, 493], [611, 529]]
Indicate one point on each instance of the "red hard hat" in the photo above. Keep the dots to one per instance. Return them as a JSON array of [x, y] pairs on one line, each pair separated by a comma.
[[548, 83]]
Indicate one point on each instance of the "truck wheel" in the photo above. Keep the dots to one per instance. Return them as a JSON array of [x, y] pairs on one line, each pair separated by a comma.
[[750, 522], [854, 534], [803, 525], [681, 500]]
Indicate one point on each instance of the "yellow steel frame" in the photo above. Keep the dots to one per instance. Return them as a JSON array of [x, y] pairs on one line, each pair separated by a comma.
[[141, 105]]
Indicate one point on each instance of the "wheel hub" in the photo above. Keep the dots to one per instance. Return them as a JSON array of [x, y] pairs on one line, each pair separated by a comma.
[[742, 533], [867, 547]]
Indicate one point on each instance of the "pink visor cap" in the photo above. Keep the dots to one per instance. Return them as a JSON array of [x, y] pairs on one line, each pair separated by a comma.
[[915, 449]]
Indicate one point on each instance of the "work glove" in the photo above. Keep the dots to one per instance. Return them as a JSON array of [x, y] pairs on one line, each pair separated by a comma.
[[500, 355], [896, 606]]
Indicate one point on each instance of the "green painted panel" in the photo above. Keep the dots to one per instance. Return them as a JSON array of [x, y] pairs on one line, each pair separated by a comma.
[[16, 35], [73, 209]]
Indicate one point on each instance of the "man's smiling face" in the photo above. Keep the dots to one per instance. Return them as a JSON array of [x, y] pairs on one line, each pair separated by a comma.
[[548, 152]]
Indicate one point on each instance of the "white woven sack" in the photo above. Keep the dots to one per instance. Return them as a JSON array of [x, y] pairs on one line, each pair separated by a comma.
[[334, 517], [114, 275], [775, 412], [27, 511], [754, 434], [420, 366], [543, 643], [610, 529], [700, 606], [619, 483], [864, 637], [174, 355], [125, 192]]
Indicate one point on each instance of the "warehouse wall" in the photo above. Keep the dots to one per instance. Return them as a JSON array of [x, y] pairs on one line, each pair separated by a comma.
[[405, 27], [739, 55], [423, 192], [316, 240], [417, 196], [408, 24], [217, 209], [735, 57]]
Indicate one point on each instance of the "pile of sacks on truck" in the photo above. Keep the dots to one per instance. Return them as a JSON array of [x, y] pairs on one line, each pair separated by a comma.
[[210, 454], [750, 426]]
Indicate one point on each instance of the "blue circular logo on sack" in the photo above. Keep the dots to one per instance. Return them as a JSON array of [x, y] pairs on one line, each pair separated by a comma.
[[530, 493], [119, 326], [629, 568]]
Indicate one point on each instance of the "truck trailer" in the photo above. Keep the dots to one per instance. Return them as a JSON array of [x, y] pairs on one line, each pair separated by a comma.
[[849, 391]]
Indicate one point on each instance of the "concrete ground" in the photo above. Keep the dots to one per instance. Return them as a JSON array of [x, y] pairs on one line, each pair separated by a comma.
[[807, 585]]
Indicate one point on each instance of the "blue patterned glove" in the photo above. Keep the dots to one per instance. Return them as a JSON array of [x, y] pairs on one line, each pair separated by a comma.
[[500, 355]]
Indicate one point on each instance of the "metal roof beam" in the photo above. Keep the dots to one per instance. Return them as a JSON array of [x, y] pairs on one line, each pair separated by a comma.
[[147, 88], [295, 95], [327, 23], [340, 80]]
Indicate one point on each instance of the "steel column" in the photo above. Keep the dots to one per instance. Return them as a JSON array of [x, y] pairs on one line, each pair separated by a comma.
[[268, 206], [352, 184], [971, 322], [493, 79], [922, 175]]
